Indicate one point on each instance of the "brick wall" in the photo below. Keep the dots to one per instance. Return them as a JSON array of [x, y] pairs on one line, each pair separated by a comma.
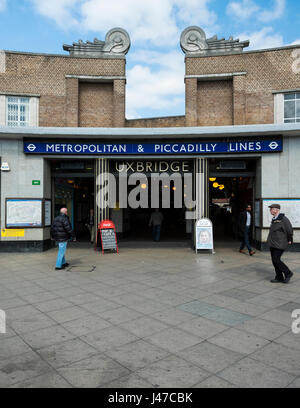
[[168, 121], [45, 75], [253, 100], [215, 103], [95, 104], [65, 101]]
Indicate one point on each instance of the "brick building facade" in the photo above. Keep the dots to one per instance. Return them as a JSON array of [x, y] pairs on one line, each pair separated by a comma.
[[225, 87]]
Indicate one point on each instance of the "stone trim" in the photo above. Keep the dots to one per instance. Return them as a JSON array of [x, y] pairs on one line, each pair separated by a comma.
[[283, 91], [220, 77], [96, 78]]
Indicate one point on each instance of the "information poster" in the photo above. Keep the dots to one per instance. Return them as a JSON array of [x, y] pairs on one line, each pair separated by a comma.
[[290, 207], [22, 212], [204, 234], [47, 213]]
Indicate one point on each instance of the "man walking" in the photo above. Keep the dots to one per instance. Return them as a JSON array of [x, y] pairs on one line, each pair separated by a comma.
[[280, 236], [156, 220], [61, 232], [245, 222]]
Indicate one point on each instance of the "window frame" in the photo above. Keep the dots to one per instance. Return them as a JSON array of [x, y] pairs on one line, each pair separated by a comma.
[[19, 103], [296, 100]]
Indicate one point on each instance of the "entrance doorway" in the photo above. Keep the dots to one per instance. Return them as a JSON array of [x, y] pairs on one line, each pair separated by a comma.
[[132, 224], [73, 188], [231, 188]]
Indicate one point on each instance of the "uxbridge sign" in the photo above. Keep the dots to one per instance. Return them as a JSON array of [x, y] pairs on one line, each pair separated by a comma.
[[250, 146]]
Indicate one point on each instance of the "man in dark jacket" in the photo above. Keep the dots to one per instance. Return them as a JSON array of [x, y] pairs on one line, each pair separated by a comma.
[[279, 238], [61, 232], [245, 222]]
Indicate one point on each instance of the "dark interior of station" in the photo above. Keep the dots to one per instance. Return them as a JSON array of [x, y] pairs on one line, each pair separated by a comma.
[[231, 187]]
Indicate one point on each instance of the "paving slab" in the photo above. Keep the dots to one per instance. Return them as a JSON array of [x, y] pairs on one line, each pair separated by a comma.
[[173, 372], [210, 357], [93, 372], [248, 373], [148, 317]]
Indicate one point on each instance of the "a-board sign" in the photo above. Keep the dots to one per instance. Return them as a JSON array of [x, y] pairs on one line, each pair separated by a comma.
[[204, 235], [107, 232]]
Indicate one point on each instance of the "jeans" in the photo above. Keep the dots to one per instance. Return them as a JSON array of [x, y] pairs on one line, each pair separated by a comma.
[[282, 271], [245, 240], [60, 260], [156, 233]]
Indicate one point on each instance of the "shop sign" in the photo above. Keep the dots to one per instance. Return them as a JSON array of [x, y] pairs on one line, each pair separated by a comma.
[[194, 148]]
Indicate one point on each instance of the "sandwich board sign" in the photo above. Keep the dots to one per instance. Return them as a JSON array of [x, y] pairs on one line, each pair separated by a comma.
[[204, 235], [107, 232]]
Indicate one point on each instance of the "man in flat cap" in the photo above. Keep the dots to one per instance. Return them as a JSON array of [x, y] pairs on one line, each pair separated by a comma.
[[279, 238]]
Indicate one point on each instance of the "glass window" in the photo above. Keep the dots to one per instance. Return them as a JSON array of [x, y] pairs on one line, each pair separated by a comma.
[[292, 108], [289, 96], [17, 111]]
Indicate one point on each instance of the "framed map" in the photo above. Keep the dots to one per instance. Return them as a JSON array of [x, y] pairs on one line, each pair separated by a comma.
[[28, 213]]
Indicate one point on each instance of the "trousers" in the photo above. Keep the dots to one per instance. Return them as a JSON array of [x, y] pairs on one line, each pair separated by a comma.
[[156, 232], [281, 270], [60, 260], [245, 240]]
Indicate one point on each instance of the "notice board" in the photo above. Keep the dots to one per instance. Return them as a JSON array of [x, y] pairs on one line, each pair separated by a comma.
[[28, 212], [290, 207], [24, 212]]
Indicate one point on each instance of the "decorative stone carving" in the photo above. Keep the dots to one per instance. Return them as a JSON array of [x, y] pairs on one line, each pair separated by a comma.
[[117, 43], [193, 42]]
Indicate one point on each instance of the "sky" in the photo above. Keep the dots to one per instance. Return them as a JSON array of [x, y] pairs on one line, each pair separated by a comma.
[[155, 62]]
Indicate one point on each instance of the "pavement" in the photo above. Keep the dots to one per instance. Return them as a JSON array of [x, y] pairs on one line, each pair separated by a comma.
[[148, 318]]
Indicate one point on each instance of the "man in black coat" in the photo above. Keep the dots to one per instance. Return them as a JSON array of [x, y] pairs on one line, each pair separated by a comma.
[[61, 231], [244, 225], [279, 238]]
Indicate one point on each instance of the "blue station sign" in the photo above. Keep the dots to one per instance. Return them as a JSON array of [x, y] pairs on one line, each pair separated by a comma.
[[89, 148]]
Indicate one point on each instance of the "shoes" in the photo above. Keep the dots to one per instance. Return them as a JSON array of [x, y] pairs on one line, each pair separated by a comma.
[[63, 267], [242, 251], [277, 280], [287, 279], [251, 253]]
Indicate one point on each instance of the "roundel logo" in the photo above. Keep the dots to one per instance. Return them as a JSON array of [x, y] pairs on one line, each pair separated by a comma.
[[31, 147], [273, 145]]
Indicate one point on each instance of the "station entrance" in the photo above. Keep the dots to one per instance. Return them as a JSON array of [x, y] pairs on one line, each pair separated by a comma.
[[231, 187], [158, 190], [228, 185], [73, 187]]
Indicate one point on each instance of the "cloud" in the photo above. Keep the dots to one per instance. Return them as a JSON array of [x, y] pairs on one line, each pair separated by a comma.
[[242, 10], [159, 22], [2, 5], [157, 86], [297, 42], [248, 8], [277, 12], [262, 39], [61, 11]]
